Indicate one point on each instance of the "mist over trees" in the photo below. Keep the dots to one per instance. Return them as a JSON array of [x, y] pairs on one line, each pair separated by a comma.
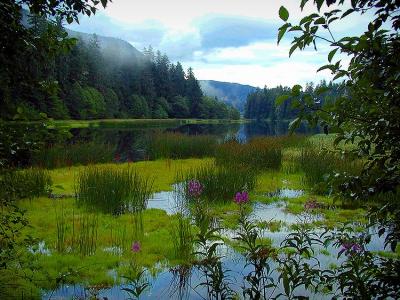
[[87, 81], [261, 104]]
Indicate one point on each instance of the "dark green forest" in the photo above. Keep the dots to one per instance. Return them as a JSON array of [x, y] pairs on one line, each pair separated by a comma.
[[261, 104], [75, 78]]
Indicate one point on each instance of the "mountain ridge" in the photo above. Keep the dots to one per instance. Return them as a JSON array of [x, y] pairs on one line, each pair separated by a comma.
[[231, 93]]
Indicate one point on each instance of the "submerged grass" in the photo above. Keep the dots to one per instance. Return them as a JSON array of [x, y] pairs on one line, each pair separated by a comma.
[[178, 145], [112, 190], [58, 156]]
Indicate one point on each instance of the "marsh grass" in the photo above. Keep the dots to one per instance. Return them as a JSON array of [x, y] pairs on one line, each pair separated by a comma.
[[317, 164], [61, 228], [259, 153], [85, 234], [177, 145], [183, 239], [112, 190], [27, 183], [66, 155], [218, 183]]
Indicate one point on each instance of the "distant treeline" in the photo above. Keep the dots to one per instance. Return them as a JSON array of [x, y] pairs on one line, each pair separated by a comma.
[[81, 82], [261, 103]]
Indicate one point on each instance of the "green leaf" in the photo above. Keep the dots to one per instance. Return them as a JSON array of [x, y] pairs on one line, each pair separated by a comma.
[[282, 31], [281, 99], [104, 3], [283, 13], [286, 285], [292, 49], [332, 54], [319, 21]]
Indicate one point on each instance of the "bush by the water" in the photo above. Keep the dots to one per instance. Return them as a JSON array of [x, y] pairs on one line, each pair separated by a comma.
[[177, 145], [112, 190]]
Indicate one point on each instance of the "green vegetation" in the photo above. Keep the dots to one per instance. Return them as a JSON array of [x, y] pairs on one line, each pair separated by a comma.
[[112, 190], [61, 155], [28, 183], [218, 183], [177, 145]]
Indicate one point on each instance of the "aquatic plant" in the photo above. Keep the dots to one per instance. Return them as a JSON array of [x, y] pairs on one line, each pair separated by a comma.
[[62, 228], [183, 236], [178, 145], [217, 183], [137, 282], [259, 257], [71, 154], [318, 164], [27, 183], [112, 190], [258, 153], [216, 279], [85, 234]]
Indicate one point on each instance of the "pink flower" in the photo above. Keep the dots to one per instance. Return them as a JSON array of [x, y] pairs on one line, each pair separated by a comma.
[[136, 246], [241, 197], [195, 188]]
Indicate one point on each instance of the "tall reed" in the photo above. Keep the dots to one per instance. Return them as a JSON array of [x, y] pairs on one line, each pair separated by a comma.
[[62, 229], [81, 153], [112, 190], [85, 237], [218, 183], [317, 164], [27, 183], [177, 145], [258, 153], [183, 239]]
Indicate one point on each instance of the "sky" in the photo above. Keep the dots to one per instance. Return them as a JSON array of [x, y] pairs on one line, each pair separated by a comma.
[[224, 40]]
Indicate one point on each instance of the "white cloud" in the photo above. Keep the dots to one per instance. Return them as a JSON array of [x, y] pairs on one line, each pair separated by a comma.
[[281, 73], [227, 40]]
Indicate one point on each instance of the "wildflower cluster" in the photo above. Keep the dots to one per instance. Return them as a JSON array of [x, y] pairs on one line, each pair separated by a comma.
[[241, 197], [195, 188]]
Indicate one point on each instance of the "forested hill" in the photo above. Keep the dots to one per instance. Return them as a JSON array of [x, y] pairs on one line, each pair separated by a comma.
[[234, 94], [92, 77], [116, 50], [261, 104]]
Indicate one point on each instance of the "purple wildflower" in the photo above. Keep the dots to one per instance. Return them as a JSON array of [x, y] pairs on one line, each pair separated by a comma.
[[241, 197], [136, 246], [352, 247], [195, 188], [311, 204]]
